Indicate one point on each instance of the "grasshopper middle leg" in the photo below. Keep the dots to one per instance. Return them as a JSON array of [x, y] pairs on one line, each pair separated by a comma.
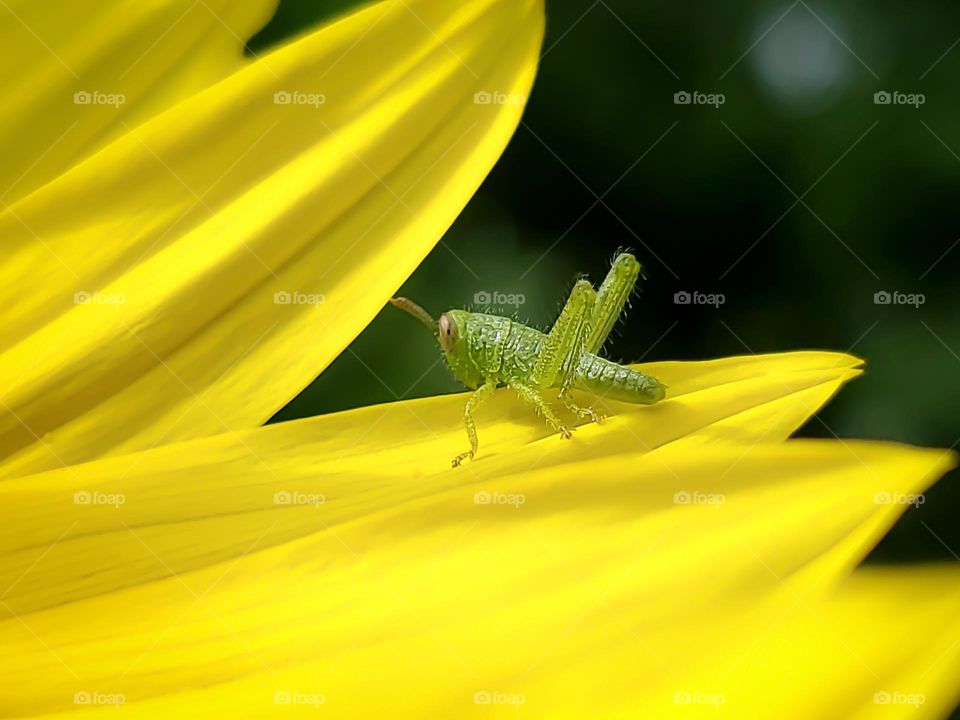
[[533, 396]]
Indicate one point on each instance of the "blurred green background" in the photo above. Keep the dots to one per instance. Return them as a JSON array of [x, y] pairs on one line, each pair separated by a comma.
[[799, 198]]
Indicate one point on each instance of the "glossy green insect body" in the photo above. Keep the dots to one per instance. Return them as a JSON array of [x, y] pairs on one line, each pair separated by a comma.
[[488, 351], [495, 347]]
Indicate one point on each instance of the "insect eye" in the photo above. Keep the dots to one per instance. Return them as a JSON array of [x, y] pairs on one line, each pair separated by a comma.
[[448, 332]]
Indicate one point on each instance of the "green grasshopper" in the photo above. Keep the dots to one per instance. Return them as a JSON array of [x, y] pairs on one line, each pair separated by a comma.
[[485, 352]]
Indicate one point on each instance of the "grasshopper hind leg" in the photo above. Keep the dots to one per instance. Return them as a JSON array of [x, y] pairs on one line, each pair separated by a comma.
[[563, 349], [584, 412], [611, 299], [533, 396]]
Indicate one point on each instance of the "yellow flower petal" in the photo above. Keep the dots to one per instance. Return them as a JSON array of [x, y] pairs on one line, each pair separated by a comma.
[[676, 561], [331, 559], [771, 395], [379, 457], [885, 645], [141, 295], [142, 57]]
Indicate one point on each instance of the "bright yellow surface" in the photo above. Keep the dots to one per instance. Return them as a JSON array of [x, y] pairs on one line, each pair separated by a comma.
[[156, 53], [161, 552], [679, 548], [187, 224]]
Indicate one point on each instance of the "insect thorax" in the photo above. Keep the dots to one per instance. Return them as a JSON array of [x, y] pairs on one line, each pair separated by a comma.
[[501, 348]]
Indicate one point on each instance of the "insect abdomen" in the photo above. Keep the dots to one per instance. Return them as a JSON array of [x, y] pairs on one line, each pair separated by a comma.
[[616, 382], [508, 351]]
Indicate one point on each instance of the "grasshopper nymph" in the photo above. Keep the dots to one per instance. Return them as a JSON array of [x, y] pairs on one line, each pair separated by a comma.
[[485, 352]]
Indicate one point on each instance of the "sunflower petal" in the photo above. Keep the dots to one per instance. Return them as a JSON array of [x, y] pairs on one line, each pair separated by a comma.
[[886, 644], [77, 73], [278, 568], [193, 275], [379, 457]]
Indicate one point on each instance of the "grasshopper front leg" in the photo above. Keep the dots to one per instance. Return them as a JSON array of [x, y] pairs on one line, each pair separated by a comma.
[[481, 394]]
